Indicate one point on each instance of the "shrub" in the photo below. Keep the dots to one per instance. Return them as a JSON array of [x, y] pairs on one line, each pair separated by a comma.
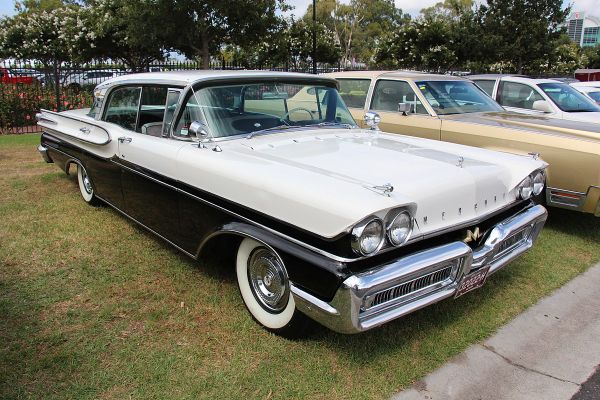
[[20, 103]]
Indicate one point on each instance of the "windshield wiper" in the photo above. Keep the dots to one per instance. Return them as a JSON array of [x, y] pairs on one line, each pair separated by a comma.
[[273, 128], [340, 124]]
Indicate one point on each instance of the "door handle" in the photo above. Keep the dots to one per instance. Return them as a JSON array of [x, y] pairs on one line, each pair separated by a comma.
[[124, 139], [85, 130]]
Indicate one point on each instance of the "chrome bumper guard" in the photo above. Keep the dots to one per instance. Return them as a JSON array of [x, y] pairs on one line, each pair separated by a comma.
[[390, 291], [44, 152]]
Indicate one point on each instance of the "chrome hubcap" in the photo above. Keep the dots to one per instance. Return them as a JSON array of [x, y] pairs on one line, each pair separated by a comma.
[[87, 185], [268, 280]]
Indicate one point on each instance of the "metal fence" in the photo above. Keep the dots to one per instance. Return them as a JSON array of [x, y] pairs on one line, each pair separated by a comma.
[[27, 87]]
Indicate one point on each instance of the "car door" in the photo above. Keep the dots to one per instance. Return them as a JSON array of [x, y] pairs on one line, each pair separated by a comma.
[[518, 97], [148, 161], [386, 96]]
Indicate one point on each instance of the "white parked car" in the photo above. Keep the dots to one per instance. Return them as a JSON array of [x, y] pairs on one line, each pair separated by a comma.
[[546, 97], [93, 77], [590, 89], [350, 227]]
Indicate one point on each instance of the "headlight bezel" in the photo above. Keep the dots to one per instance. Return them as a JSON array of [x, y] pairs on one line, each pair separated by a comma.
[[357, 236], [386, 223], [391, 218], [540, 173], [526, 189]]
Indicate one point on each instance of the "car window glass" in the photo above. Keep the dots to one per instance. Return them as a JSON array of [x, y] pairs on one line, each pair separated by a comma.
[[172, 100], [354, 91], [152, 110], [567, 98], [595, 96], [486, 85], [191, 112], [270, 105], [388, 94], [518, 95], [123, 107]]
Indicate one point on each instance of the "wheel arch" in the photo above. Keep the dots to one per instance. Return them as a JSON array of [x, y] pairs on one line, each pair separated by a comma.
[[316, 273]]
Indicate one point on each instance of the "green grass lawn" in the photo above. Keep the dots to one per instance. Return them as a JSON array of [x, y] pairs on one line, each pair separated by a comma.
[[93, 307]]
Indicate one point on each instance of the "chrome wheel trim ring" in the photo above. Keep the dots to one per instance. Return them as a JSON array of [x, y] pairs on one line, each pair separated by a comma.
[[87, 185], [268, 280]]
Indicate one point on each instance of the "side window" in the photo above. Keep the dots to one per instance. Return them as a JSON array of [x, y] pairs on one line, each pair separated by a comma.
[[191, 112], [152, 110], [123, 107], [354, 91], [172, 100], [486, 85], [388, 94], [518, 95]]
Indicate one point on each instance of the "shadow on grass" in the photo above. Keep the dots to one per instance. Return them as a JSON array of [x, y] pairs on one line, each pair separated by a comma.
[[584, 226]]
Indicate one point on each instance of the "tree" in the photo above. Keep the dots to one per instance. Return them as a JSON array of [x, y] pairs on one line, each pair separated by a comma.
[[127, 31], [521, 32], [440, 39], [199, 28], [57, 38]]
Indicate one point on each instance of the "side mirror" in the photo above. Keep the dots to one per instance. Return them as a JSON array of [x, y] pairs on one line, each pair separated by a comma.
[[372, 119], [405, 108], [198, 131], [542, 105]]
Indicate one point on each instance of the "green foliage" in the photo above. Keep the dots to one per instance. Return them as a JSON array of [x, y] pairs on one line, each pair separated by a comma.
[[20, 103], [521, 32]]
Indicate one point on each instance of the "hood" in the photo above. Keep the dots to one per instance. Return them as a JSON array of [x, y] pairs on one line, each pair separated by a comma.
[[325, 181], [534, 123]]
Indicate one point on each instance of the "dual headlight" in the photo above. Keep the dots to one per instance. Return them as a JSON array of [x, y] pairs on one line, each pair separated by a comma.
[[369, 236], [532, 185]]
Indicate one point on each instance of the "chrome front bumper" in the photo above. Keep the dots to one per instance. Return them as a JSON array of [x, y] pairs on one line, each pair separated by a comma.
[[390, 291], [44, 153]]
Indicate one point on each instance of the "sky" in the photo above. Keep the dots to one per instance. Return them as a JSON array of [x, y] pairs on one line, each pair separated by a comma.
[[410, 6]]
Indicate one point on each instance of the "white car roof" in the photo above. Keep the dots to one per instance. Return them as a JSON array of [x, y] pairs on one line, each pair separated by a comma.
[[184, 78], [534, 81], [584, 85]]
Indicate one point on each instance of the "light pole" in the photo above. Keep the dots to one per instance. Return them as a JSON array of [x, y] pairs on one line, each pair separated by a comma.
[[314, 38]]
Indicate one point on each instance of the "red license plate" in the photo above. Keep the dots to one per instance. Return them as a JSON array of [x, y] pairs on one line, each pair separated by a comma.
[[472, 281]]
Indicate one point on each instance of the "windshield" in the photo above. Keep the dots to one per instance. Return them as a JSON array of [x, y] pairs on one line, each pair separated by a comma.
[[249, 108], [456, 97], [567, 98]]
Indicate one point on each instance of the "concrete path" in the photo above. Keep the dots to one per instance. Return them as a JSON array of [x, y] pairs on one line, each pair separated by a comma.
[[546, 353]]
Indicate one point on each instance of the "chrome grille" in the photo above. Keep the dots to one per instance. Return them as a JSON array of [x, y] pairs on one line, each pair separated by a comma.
[[409, 287], [513, 241]]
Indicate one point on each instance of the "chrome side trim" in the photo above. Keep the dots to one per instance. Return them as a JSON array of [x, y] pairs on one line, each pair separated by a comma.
[[553, 198], [44, 153], [347, 312]]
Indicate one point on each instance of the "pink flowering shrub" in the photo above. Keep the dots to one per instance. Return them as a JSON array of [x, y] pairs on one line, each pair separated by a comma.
[[20, 103]]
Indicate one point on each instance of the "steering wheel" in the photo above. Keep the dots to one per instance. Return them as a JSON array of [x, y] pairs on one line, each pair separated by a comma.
[[287, 114]]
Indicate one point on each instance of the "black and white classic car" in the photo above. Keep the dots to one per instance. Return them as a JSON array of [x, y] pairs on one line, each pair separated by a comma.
[[350, 227]]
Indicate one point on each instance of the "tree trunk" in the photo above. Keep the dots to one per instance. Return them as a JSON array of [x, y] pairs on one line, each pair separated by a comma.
[[205, 52], [56, 85]]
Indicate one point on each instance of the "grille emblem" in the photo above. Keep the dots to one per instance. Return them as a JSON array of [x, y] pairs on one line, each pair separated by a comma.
[[472, 235]]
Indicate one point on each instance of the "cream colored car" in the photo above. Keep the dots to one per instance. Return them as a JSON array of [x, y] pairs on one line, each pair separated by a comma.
[[455, 110]]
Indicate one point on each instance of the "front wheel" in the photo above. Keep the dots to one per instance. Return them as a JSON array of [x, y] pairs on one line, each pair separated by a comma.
[[85, 187], [265, 289]]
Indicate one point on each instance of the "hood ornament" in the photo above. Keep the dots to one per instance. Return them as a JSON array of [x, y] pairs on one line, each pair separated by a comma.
[[384, 190], [461, 160], [534, 155]]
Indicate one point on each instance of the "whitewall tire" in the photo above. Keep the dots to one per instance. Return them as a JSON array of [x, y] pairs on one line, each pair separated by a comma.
[[85, 186], [265, 289]]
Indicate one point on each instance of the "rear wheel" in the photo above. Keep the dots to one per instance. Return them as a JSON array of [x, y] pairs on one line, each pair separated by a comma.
[[85, 187], [265, 289]]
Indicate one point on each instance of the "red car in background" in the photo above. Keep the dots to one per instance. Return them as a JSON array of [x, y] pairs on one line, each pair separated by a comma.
[[7, 77]]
